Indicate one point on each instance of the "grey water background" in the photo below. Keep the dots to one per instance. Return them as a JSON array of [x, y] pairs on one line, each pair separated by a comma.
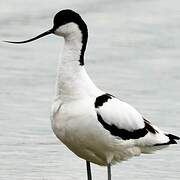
[[133, 52]]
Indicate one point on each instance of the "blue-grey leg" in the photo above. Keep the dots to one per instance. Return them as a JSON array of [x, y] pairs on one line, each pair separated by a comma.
[[109, 171], [89, 176]]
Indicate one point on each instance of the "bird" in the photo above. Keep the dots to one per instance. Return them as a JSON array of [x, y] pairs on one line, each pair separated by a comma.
[[95, 125]]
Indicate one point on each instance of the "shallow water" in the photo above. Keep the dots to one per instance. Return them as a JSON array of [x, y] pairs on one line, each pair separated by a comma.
[[133, 53]]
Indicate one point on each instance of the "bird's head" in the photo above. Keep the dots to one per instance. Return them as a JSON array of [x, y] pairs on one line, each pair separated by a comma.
[[66, 22]]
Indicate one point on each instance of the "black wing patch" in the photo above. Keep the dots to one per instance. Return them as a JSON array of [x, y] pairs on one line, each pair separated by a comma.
[[116, 131], [102, 99], [149, 127], [122, 133]]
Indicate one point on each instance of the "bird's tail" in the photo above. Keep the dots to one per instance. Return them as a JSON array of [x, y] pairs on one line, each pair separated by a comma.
[[150, 149], [172, 140]]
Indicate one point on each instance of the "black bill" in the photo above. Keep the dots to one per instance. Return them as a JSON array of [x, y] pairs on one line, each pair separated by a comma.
[[32, 39]]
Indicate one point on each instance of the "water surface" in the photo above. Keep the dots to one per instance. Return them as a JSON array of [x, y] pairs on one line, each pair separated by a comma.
[[133, 53]]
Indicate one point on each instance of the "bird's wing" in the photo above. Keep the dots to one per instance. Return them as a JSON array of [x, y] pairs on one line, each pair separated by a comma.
[[121, 119]]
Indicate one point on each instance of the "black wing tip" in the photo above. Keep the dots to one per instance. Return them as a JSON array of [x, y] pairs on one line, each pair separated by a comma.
[[173, 137], [172, 140]]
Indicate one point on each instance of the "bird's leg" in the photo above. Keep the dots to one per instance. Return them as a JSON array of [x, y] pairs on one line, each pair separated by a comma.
[[89, 176], [109, 171]]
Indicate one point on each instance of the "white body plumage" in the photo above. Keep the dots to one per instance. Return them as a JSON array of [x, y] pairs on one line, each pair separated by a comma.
[[74, 115]]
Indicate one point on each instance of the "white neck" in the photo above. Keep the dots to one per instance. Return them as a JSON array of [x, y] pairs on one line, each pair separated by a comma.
[[72, 79]]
